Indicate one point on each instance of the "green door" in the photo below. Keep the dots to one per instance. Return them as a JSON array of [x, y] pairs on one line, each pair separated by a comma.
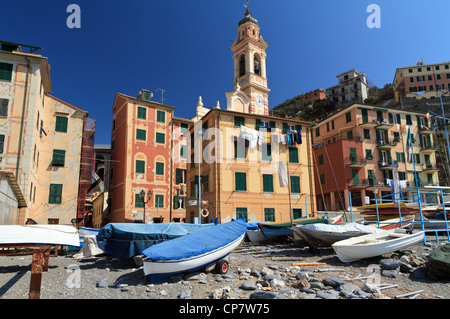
[[353, 157], [355, 177], [365, 118]]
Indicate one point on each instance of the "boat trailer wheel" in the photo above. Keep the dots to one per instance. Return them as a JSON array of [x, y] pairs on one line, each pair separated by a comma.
[[222, 266]]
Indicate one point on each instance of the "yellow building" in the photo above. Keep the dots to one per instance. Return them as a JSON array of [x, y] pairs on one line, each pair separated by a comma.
[[259, 180], [40, 137]]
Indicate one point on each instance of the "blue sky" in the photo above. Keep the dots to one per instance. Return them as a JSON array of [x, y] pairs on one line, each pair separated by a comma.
[[183, 46]]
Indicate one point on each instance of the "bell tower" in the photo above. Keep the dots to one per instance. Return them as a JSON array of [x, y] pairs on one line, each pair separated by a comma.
[[250, 93]]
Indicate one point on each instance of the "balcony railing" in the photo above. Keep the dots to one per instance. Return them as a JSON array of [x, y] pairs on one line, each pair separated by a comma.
[[429, 167], [428, 148], [355, 161], [360, 182], [386, 143], [387, 165]]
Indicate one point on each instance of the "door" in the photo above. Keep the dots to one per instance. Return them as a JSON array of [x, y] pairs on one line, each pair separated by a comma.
[[355, 177]]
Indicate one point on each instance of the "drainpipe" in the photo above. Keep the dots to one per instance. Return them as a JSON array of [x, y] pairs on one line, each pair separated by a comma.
[[171, 172], [220, 158]]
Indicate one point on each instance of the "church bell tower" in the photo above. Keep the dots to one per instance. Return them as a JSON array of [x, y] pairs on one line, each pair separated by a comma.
[[250, 93]]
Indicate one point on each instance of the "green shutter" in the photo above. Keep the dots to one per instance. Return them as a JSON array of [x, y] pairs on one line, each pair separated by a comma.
[[160, 116], [138, 203], [353, 157], [55, 194], [293, 155], [267, 155], [408, 119], [241, 181], [389, 158], [296, 213], [61, 124], [159, 168], [6, 71], [141, 135], [355, 177], [58, 157], [141, 113], [160, 138], [179, 176], [430, 178], [239, 121], [258, 124], [241, 212], [367, 134], [365, 118], [269, 214], [176, 203], [159, 201], [285, 128], [295, 184], [140, 167], [267, 183]]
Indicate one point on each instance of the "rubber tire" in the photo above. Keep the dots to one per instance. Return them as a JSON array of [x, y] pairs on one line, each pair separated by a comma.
[[222, 266]]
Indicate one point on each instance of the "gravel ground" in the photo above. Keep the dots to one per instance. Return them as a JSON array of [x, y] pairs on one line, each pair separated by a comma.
[[251, 265]]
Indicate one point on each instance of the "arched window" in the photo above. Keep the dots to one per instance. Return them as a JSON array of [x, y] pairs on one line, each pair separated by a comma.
[[257, 65], [242, 66]]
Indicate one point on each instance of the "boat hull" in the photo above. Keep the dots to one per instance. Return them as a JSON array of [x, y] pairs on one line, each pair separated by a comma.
[[277, 229], [39, 234], [256, 236], [161, 269], [326, 235], [368, 246]]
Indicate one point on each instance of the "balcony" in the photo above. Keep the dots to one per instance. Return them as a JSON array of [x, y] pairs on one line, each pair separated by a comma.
[[383, 125], [387, 166], [386, 144], [367, 124], [358, 183], [429, 168], [428, 149], [425, 130], [355, 162]]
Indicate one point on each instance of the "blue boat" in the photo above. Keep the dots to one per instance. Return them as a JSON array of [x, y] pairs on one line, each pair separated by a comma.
[[279, 229], [194, 251], [126, 240]]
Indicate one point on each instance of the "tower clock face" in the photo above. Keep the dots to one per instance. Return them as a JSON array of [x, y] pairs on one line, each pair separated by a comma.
[[259, 101]]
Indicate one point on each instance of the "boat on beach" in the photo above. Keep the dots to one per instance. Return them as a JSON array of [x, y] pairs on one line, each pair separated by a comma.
[[324, 235], [273, 230], [126, 240], [373, 245], [63, 235], [194, 251]]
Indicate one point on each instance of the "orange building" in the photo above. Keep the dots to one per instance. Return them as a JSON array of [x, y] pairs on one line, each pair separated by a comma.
[[362, 148], [313, 96]]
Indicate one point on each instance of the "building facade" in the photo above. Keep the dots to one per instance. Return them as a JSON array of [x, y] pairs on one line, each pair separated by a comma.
[[422, 81], [145, 141], [362, 148], [40, 137], [313, 96], [352, 88]]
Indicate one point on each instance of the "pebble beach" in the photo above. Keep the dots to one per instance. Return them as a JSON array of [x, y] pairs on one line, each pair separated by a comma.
[[273, 270]]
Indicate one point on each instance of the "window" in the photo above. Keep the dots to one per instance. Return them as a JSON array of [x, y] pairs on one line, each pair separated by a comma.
[[369, 155], [367, 134], [411, 79], [141, 113], [410, 71], [320, 159], [328, 127], [58, 157], [141, 134], [269, 214], [160, 116], [267, 153], [55, 194], [438, 76], [267, 183], [239, 149], [348, 117], [6, 71], [318, 132], [184, 128], [160, 138], [241, 181], [438, 67], [408, 119], [295, 184], [350, 135], [138, 203], [140, 167], [61, 124], [239, 121], [179, 177], [430, 178], [2, 143], [4, 107], [205, 182], [322, 179], [421, 78], [332, 124], [159, 201], [293, 155], [159, 168], [296, 213], [241, 212], [183, 151]]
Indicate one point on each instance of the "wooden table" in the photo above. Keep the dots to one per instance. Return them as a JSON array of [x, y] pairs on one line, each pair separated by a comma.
[[40, 253]]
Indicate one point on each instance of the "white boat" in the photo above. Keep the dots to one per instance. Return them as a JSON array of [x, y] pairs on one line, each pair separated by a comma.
[[256, 236], [324, 235], [373, 245], [194, 251], [39, 234]]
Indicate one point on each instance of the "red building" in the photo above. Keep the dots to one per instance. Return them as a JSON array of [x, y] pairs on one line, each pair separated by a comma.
[[146, 155]]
